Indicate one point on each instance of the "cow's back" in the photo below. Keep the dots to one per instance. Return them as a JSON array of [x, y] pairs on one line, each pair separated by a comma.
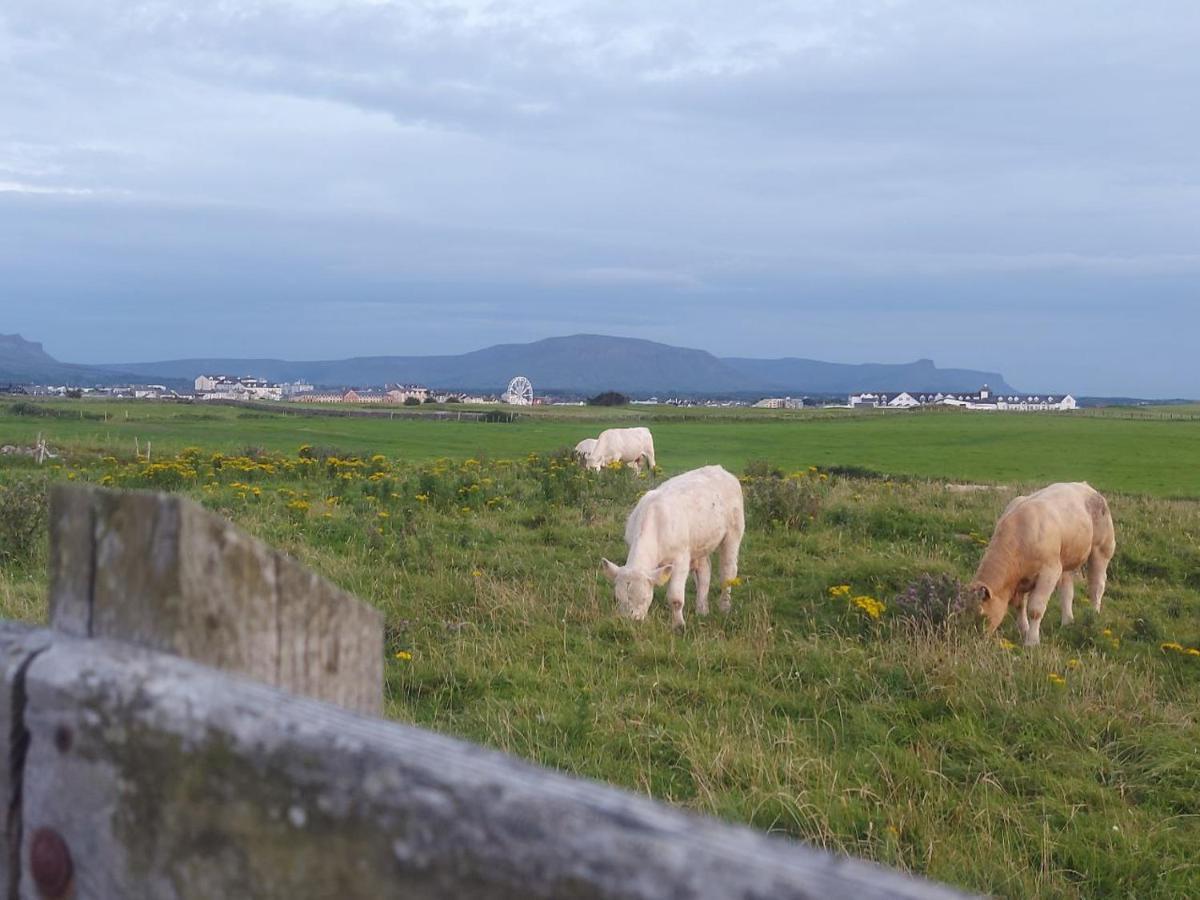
[[1059, 523], [692, 511]]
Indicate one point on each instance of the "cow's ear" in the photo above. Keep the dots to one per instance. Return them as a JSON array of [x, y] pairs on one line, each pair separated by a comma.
[[979, 593], [610, 569], [663, 574]]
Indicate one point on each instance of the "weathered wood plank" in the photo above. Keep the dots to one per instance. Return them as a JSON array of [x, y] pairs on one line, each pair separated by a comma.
[[19, 644], [160, 571], [171, 780], [72, 560], [330, 643]]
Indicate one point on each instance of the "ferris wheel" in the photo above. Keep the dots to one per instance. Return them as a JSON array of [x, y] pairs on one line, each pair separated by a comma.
[[520, 392]]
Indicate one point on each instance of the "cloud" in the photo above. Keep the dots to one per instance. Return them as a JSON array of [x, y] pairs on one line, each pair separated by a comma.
[[764, 160]]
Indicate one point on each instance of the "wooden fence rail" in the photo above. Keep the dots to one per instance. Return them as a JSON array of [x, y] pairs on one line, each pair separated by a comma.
[[135, 772]]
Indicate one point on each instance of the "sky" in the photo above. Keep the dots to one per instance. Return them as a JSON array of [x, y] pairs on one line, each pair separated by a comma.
[[1009, 186]]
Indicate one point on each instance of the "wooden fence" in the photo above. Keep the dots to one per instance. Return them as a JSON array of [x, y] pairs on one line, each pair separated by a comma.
[[135, 772]]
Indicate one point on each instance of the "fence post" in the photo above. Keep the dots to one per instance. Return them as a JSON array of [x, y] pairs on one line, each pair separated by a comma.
[[160, 571]]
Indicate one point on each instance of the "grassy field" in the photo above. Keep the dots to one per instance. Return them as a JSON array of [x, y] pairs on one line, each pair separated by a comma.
[[1070, 770], [1150, 454]]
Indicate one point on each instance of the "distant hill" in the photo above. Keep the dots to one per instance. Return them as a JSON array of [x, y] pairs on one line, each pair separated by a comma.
[[582, 363], [25, 362], [815, 377]]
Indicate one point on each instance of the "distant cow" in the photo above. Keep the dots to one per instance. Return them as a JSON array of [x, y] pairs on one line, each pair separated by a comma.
[[672, 531], [1039, 543], [627, 445], [583, 448]]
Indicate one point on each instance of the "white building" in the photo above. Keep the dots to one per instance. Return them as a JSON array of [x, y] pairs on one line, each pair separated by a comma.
[[780, 403], [983, 400], [225, 387], [867, 399]]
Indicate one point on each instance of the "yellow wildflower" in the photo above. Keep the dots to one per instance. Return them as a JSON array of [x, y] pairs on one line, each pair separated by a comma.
[[1006, 644], [476, 573], [870, 606], [403, 654], [732, 583], [840, 590], [1055, 678], [1073, 663]]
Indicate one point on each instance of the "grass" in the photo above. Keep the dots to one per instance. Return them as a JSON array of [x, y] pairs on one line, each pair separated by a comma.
[[1112, 453], [932, 750]]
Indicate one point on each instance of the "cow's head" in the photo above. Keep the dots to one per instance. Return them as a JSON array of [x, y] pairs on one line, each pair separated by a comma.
[[634, 589], [990, 606]]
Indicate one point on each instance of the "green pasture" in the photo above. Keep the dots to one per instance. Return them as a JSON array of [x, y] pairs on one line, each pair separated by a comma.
[[825, 706], [1141, 450]]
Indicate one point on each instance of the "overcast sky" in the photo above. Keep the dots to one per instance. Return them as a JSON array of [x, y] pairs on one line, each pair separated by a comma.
[[1011, 186]]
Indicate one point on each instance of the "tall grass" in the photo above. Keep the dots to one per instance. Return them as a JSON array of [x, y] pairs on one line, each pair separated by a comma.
[[1068, 770]]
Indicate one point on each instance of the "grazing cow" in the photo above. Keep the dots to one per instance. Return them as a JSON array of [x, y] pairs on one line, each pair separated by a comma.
[[583, 448], [1039, 543], [627, 445], [672, 531]]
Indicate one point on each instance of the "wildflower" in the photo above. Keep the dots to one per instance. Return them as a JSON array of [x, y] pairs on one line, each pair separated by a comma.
[[1192, 651], [383, 514], [840, 590], [1006, 644], [422, 498], [732, 583], [1056, 679], [476, 573], [1073, 663], [403, 654], [1171, 645], [824, 477], [871, 607]]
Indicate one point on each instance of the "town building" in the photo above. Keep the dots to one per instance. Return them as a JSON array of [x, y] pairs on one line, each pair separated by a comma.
[[983, 399], [226, 387]]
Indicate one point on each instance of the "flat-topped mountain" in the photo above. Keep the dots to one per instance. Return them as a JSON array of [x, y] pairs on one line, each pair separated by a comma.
[[582, 363]]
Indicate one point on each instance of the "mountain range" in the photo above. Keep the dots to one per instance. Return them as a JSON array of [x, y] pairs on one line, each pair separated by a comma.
[[582, 363]]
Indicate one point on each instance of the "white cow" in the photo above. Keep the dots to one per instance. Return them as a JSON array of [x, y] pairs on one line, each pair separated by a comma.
[[628, 445], [583, 448], [672, 531]]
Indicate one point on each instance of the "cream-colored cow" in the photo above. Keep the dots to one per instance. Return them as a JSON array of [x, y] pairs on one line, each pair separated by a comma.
[[1039, 543], [628, 445], [673, 530]]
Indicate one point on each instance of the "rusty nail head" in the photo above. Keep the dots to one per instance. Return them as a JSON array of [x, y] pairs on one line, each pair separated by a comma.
[[50, 863]]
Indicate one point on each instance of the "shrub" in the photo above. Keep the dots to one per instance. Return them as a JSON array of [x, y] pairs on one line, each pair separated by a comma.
[[22, 521], [25, 408], [412, 401], [788, 502], [931, 601], [608, 398]]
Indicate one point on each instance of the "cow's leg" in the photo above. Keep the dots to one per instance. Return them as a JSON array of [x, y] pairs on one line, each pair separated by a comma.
[[1022, 615], [1038, 600], [729, 568], [676, 589], [1066, 597], [650, 459], [703, 569], [1097, 577]]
